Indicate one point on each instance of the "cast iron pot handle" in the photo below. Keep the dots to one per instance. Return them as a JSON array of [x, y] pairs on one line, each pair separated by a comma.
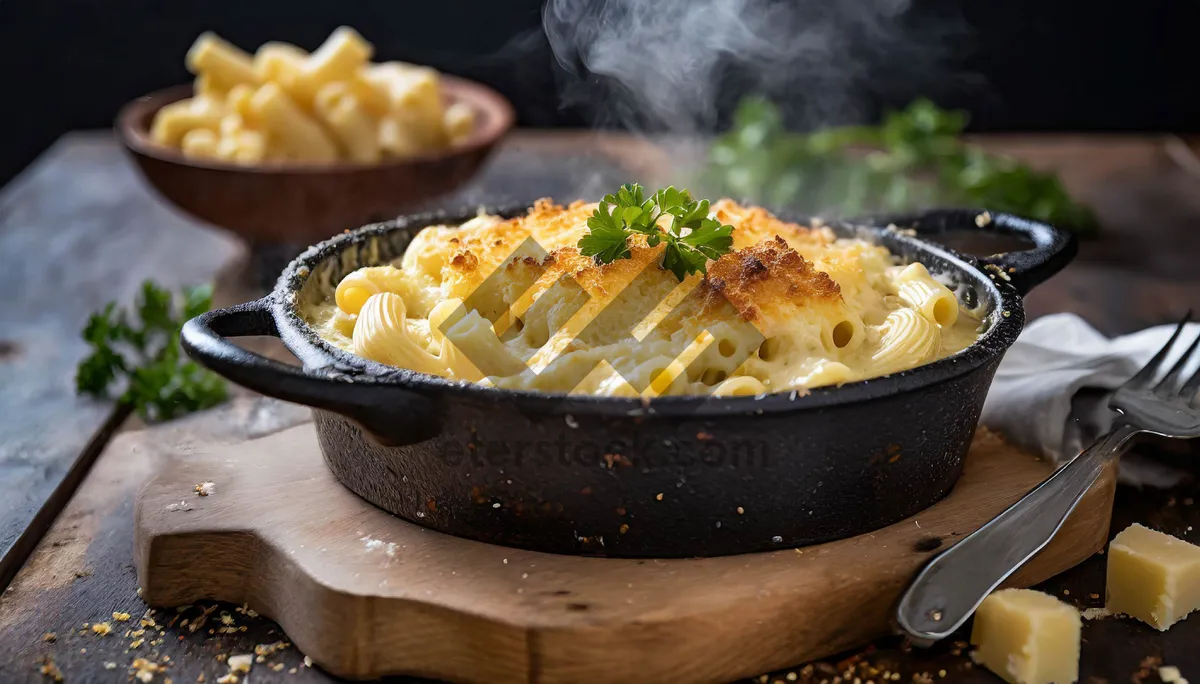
[[391, 415], [1052, 249]]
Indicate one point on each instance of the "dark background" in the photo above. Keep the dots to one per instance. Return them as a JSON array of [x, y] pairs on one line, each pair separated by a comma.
[[1038, 64]]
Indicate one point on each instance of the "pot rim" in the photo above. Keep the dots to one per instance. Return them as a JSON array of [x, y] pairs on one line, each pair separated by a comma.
[[1003, 323]]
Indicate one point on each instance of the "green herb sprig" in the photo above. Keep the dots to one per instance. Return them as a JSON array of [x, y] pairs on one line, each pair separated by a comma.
[[915, 158], [691, 240], [159, 382]]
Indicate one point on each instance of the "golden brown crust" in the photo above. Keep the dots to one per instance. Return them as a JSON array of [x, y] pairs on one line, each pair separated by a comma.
[[766, 274], [763, 272]]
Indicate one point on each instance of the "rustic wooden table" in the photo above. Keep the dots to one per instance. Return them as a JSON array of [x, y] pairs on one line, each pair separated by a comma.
[[79, 229]]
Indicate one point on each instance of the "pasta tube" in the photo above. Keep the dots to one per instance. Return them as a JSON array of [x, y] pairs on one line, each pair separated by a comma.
[[222, 62], [300, 136], [932, 299]]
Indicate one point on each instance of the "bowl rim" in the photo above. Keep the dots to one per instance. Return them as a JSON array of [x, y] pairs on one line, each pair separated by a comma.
[[133, 128], [315, 352]]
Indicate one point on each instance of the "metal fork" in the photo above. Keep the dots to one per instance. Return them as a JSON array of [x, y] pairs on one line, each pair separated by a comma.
[[949, 589]]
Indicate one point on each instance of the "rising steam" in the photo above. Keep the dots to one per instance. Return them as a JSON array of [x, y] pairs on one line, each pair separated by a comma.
[[678, 65]]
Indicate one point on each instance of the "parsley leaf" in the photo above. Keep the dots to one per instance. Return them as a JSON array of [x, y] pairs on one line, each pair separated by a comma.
[[691, 239], [158, 381]]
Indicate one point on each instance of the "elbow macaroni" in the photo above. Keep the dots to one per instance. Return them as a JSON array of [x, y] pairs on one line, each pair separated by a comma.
[[283, 104], [790, 308]]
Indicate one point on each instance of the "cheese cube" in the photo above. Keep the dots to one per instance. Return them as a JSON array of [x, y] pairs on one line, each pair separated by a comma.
[[1027, 637], [1152, 576]]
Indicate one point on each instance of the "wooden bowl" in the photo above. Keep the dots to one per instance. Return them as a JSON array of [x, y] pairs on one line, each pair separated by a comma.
[[298, 203]]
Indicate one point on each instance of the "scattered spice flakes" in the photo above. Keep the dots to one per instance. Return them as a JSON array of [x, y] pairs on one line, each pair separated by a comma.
[[205, 488], [121, 617], [201, 619], [102, 628], [48, 668]]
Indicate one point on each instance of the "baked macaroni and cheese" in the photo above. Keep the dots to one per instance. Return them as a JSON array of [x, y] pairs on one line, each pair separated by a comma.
[[515, 304], [284, 104]]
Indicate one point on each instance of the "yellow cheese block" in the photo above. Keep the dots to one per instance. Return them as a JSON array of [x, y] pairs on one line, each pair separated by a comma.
[[1152, 576], [1027, 637]]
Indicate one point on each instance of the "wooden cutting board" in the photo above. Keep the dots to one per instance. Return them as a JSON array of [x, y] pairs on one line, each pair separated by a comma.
[[366, 594]]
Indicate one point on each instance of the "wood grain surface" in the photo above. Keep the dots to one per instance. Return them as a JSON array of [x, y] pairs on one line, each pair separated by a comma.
[[77, 230], [367, 594]]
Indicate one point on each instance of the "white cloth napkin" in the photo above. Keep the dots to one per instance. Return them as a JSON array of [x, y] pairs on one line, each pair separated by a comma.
[[1060, 364]]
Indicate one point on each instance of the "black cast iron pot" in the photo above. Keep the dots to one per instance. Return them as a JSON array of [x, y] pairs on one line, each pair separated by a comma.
[[670, 477]]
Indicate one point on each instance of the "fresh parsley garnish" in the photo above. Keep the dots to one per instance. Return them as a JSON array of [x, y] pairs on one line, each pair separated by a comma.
[[690, 241], [915, 158], [158, 381]]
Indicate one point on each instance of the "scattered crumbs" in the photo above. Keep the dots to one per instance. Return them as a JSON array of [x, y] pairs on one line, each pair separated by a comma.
[[1093, 596], [221, 657], [226, 618], [83, 650], [110, 666], [791, 677], [200, 678], [941, 673], [241, 663], [571, 422], [82, 573], [144, 670], [269, 650], [506, 561], [49, 669], [1006, 314], [496, 505], [983, 219], [659, 496], [181, 506], [1095, 613], [230, 678], [624, 528], [139, 592], [1066, 592], [121, 617], [49, 637], [205, 488], [278, 667], [135, 643], [102, 628], [307, 661], [741, 511], [777, 539], [292, 671]]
